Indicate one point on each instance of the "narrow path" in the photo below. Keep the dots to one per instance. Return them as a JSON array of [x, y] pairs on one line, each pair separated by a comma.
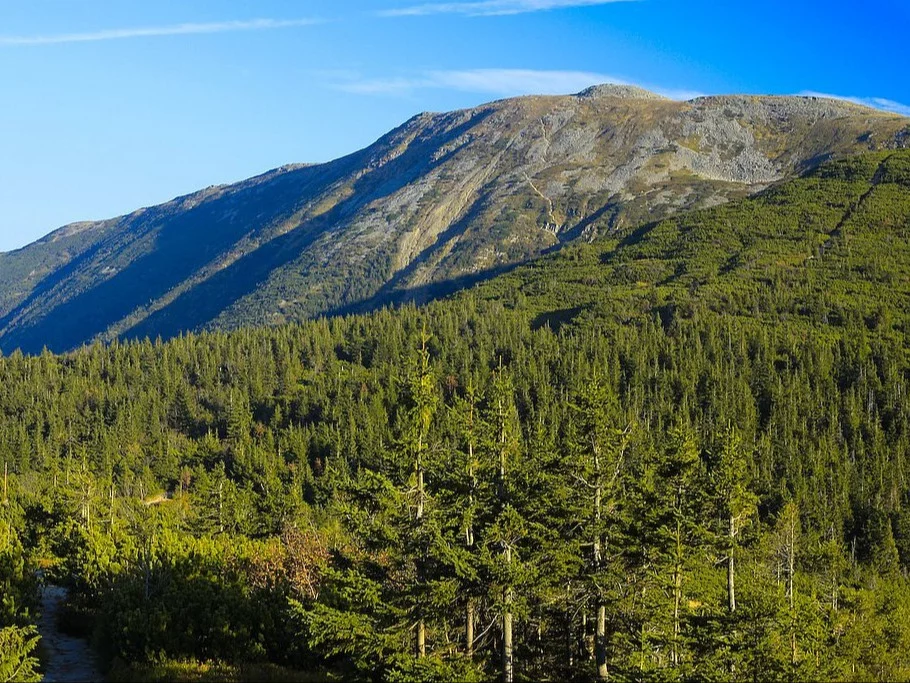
[[66, 658]]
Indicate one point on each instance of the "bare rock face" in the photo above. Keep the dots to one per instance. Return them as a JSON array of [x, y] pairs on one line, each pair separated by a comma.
[[433, 205], [612, 90]]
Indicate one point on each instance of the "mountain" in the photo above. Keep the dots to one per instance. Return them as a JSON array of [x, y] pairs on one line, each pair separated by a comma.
[[438, 203]]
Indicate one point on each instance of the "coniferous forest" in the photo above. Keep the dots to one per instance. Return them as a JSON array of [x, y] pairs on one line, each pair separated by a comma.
[[677, 454]]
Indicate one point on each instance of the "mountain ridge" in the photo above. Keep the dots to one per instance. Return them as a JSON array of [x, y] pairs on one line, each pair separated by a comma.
[[440, 199]]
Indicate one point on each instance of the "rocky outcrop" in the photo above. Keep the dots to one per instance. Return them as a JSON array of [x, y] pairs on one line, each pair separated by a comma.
[[621, 91]]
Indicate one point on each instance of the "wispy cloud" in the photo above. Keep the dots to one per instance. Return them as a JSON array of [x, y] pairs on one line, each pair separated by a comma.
[[154, 31], [490, 8], [874, 102], [497, 82]]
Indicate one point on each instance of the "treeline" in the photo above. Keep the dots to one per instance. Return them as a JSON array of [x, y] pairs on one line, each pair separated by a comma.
[[448, 493]]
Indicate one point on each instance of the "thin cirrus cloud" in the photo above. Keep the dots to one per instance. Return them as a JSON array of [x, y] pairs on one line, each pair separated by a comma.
[[874, 102], [497, 82], [155, 31], [489, 8]]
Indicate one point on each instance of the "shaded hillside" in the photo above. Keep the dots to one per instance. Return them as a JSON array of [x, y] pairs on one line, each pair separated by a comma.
[[443, 200]]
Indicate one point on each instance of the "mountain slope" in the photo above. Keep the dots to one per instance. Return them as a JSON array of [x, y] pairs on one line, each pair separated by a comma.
[[441, 201], [828, 249]]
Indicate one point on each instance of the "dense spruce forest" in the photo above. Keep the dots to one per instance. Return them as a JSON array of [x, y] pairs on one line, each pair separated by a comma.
[[680, 453]]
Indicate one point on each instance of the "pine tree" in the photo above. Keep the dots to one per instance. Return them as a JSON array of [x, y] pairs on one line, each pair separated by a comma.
[[670, 517], [504, 445], [467, 497], [788, 537], [601, 450], [737, 505], [18, 663], [422, 402]]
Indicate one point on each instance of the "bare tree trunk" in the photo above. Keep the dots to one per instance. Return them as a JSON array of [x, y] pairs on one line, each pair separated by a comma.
[[421, 626], [502, 453], [507, 661], [508, 664], [469, 629], [469, 542], [418, 466], [731, 588], [601, 643], [508, 671], [677, 595], [791, 570], [469, 530], [600, 637], [220, 507]]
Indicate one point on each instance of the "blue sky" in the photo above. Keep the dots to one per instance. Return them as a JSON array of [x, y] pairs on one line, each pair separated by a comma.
[[107, 106]]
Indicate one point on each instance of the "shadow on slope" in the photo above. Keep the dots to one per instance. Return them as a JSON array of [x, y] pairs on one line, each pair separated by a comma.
[[182, 245], [199, 306]]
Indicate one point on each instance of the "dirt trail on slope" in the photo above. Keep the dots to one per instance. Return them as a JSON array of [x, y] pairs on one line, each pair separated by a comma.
[[66, 658]]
